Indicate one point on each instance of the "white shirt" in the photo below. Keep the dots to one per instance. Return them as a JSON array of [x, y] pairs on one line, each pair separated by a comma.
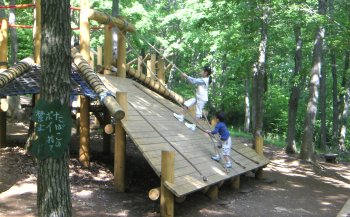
[[202, 87]]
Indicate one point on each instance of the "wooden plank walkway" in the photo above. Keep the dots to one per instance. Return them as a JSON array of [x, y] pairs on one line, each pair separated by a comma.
[[152, 127], [345, 211]]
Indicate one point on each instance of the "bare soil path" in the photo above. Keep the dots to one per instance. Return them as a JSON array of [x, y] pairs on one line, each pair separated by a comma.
[[290, 188]]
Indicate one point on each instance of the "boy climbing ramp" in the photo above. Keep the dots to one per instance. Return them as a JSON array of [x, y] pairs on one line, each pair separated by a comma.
[[201, 97], [225, 140]]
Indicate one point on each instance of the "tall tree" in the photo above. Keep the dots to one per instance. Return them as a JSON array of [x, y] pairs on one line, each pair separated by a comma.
[[344, 102], [54, 197], [295, 92], [333, 58], [307, 146], [259, 74]]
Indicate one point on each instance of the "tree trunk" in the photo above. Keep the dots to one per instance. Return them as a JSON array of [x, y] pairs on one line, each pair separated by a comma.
[[307, 146], [334, 78], [335, 98], [259, 78], [247, 107], [115, 13], [295, 92], [344, 103], [323, 101], [54, 197]]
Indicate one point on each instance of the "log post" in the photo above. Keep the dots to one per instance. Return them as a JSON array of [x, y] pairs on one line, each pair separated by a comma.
[[99, 56], [139, 64], [84, 155], [37, 31], [235, 182], [120, 146], [161, 70], [4, 105], [121, 59], [167, 175], [259, 148], [37, 36], [107, 50], [3, 65], [213, 192]]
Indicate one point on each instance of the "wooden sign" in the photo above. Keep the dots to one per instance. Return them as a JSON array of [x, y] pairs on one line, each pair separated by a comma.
[[53, 125]]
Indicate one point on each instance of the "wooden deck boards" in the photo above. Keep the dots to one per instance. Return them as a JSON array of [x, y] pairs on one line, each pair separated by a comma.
[[152, 127]]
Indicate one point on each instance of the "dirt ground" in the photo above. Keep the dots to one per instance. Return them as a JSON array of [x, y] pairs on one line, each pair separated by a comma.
[[290, 188]]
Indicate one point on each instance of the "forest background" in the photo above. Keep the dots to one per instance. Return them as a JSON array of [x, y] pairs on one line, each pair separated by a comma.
[[285, 61]]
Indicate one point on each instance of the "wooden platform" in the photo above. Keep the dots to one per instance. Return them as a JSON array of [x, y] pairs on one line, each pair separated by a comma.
[[345, 211], [151, 125]]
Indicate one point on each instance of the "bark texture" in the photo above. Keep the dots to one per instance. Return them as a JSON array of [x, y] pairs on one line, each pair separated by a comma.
[[307, 146], [54, 197], [295, 93]]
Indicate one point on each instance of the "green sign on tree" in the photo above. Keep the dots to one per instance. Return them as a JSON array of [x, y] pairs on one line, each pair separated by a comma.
[[53, 125]]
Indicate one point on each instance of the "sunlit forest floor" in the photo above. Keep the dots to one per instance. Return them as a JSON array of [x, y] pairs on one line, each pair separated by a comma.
[[289, 188]]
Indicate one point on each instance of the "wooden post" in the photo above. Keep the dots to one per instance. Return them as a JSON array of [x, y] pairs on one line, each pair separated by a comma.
[[120, 146], [213, 192], [107, 60], [99, 56], [121, 60], [139, 64], [37, 36], [84, 152], [3, 65], [161, 70], [259, 148], [37, 31], [235, 182], [167, 175]]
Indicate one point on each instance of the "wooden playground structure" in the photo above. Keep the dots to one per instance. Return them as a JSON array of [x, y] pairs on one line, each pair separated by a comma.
[[142, 110]]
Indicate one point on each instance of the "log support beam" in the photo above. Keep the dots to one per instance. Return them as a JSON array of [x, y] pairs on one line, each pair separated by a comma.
[[166, 197], [259, 148], [120, 146]]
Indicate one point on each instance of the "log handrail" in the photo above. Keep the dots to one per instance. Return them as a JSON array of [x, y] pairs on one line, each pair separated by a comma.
[[16, 71], [97, 85], [104, 18]]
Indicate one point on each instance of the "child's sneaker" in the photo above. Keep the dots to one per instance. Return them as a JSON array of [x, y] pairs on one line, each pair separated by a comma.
[[179, 117], [191, 126], [228, 165], [216, 157]]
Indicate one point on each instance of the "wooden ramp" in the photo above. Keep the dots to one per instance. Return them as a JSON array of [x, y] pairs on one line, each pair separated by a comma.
[[345, 211], [151, 125]]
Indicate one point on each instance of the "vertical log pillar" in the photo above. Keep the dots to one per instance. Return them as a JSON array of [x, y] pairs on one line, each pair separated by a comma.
[[99, 56], [213, 192], [37, 36], [3, 65], [107, 60], [161, 70], [259, 148], [37, 31], [139, 64], [235, 182], [84, 152], [121, 60], [167, 174], [120, 145]]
